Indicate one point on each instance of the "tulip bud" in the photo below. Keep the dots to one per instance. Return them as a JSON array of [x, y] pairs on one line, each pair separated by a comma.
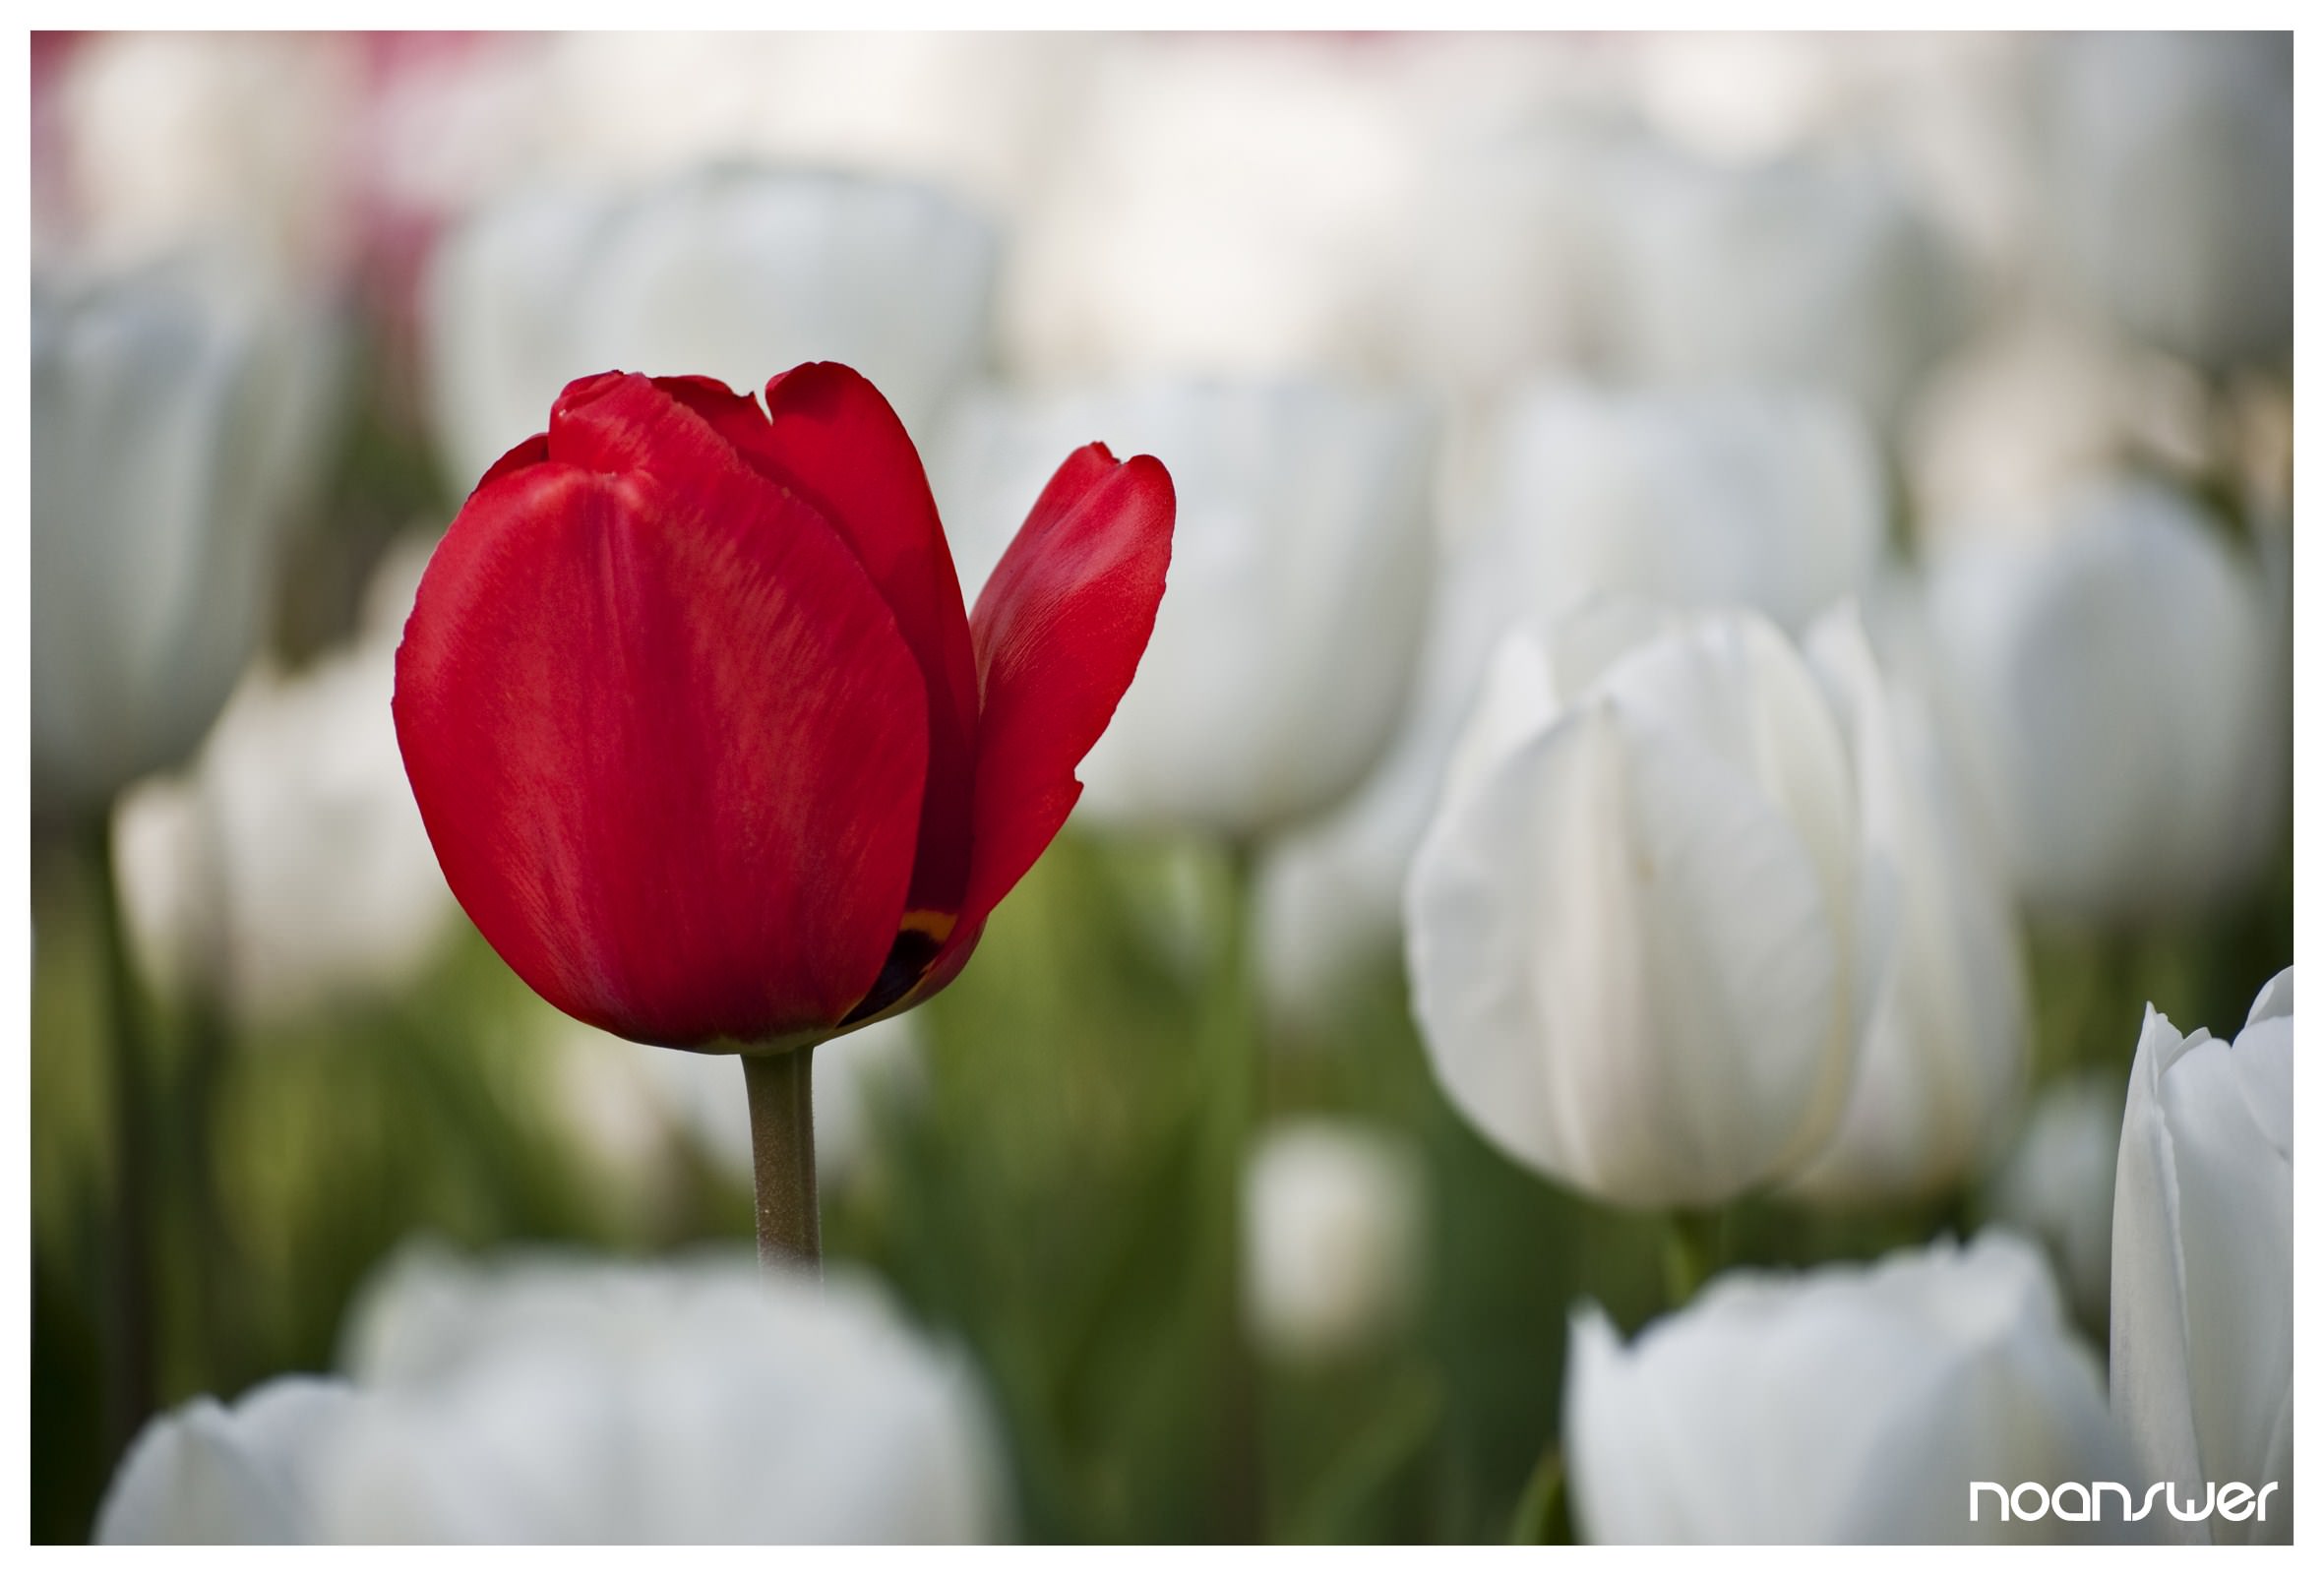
[[1297, 583], [2057, 1186], [2170, 159], [2202, 1296], [1850, 1404], [724, 271], [1330, 1236], [1634, 923], [1942, 1063], [291, 865], [1224, 207], [548, 1399], [702, 734], [176, 421], [1792, 271], [1696, 497], [2116, 685]]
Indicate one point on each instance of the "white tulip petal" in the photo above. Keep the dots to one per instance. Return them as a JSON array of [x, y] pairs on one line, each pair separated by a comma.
[[1850, 1403], [207, 1474]]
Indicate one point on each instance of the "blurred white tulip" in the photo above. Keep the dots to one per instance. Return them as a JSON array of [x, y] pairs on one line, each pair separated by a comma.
[[2026, 413], [2202, 1295], [1299, 576], [1704, 498], [1942, 1067], [245, 1474], [544, 1398], [1852, 1404], [2057, 1186], [289, 866], [1331, 1236], [178, 414], [627, 1102], [1796, 271], [729, 272], [1634, 926], [2171, 183], [1224, 207], [2117, 681], [232, 138], [984, 113]]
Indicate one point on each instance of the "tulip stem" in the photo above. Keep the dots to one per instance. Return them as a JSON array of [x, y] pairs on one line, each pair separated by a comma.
[[129, 1322], [781, 1090], [1690, 1253], [1233, 1074]]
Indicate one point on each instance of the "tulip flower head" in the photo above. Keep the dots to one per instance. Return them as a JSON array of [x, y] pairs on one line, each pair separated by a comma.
[[703, 737], [2201, 1344]]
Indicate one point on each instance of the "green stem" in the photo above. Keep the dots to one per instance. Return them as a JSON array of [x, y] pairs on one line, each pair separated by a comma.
[[129, 1319], [1690, 1253], [781, 1088], [1233, 1071], [217, 1264]]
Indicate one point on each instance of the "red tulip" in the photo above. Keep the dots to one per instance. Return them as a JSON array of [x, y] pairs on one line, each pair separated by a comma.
[[705, 742]]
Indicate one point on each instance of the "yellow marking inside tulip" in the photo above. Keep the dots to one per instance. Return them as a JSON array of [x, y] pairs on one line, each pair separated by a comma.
[[928, 922]]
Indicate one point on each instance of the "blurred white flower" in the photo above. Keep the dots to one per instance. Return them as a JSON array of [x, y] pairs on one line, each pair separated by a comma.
[[1299, 576], [244, 1474], [2117, 681], [1227, 206], [1853, 1404], [551, 1399], [1943, 1063], [2171, 183], [1505, 267], [1701, 497], [1331, 1235], [983, 113], [2057, 1186], [2202, 1295], [177, 417], [217, 138], [1797, 273], [729, 272], [629, 1101], [1634, 926], [2028, 413], [291, 865]]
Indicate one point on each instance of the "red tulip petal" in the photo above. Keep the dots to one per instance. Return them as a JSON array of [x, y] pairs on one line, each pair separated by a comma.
[[1059, 631], [665, 735], [834, 437]]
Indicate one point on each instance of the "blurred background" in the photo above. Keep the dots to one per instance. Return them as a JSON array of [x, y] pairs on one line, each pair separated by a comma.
[[1989, 333]]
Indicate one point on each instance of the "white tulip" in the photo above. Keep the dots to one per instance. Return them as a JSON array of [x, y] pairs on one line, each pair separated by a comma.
[[728, 273], [245, 1474], [2057, 1186], [1331, 1236], [1696, 497], [1850, 1404], [2119, 686], [1632, 928], [1299, 576], [242, 138], [289, 866], [1943, 1063], [1225, 207], [1794, 272], [2202, 1297], [629, 1101], [176, 419], [2170, 171], [980, 112], [552, 1399]]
